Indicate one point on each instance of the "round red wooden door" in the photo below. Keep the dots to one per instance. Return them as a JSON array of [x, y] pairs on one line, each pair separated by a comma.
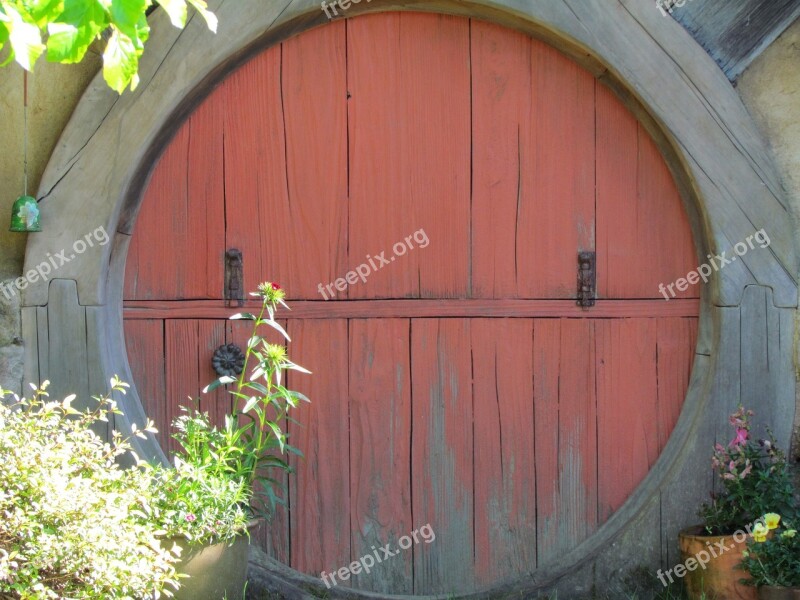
[[457, 169]]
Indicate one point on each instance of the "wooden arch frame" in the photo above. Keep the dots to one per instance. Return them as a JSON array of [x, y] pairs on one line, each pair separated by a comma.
[[72, 324]]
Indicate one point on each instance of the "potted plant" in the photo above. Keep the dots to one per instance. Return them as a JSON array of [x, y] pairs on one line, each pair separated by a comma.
[[221, 481], [773, 562], [71, 520], [753, 481]]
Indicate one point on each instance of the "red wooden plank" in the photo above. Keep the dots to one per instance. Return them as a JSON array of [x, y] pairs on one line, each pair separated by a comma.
[[182, 215], [360, 309], [204, 212], [442, 454], [501, 95], [566, 434], [320, 489], [505, 469], [558, 171], [211, 335], [181, 345], [152, 270], [144, 341], [677, 339], [411, 125], [314, 219], [380, 473], [256, 196], [643, 233], [627, 408]]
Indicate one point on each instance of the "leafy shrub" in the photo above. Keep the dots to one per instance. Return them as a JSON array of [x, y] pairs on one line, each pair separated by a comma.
[[754, 479], [72, 522], [196, 500]]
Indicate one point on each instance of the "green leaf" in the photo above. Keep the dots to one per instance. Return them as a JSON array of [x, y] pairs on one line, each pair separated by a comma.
[[224, 380], [126, 16], [202, 8], [120, 62], [295, 367], [242, 317], [25, 38], [176, 9], [75, 29], [299, 396], [276, 326], [251, 402], [44, 11]]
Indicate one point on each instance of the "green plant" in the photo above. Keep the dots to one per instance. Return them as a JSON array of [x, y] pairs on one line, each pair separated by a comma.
[[198, 505], [252, 440], [754, 480], [773, 560], [72, 521], [70, 26]]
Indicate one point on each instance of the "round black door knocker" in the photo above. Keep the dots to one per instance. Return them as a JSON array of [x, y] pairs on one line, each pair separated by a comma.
[[228, 360]]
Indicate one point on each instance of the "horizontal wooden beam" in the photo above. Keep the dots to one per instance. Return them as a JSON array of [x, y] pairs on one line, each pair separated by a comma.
[[411, 309]]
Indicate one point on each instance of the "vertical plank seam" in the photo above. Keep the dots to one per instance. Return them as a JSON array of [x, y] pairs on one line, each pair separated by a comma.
[[348, 200], [470, 261], [411, 452], [474, 458]]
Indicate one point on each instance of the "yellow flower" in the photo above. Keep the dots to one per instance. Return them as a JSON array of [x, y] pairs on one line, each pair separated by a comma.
[[772, 520], [789, 533], [760, 532]]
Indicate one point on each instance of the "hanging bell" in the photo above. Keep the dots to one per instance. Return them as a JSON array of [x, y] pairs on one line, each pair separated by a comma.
[[25, 216]]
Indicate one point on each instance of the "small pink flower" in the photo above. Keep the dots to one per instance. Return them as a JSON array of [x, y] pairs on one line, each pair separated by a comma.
[[741, 437], [191, 518], [746, 471]]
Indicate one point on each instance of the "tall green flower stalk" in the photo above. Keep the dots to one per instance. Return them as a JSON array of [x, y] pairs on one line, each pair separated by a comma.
[[253, 440]]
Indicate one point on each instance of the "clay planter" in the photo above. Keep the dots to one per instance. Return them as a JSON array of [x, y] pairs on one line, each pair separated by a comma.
[[769, 592], [215, 571], [720, 578]]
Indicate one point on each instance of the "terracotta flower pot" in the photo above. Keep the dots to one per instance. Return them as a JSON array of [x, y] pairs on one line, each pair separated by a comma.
[[769, 592], [720, 577], [214, 570]]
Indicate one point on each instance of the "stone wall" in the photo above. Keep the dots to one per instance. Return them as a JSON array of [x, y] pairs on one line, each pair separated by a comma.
[[53, 92]]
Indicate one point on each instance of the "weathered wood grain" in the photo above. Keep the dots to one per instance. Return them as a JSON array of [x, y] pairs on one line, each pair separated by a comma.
[[31, 336], [643, 235], [443, 473], [412, 125], [501, 97], [559, 175], [627, 408], [144, 342], [504, 459], [320, 488], [381, 484]]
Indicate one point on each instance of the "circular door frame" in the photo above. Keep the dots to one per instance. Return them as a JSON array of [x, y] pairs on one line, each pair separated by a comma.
[[97, 174]]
